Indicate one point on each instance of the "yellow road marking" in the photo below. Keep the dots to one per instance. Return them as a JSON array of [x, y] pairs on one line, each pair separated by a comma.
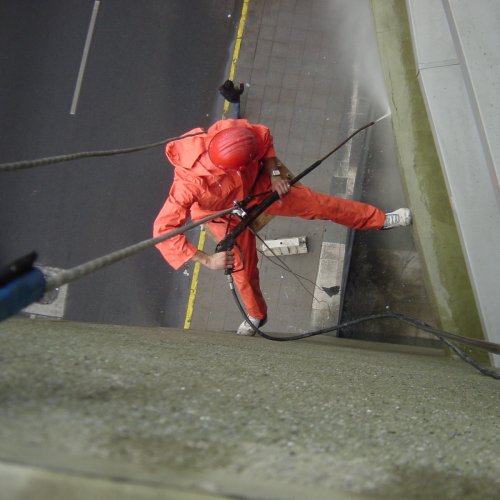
[[201, 241], [236, 51], [194, 284]]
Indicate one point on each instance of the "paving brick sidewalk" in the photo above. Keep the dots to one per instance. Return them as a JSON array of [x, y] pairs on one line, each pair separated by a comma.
[[289, 61]]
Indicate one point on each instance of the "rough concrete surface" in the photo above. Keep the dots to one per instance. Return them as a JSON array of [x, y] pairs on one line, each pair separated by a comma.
[[312, 414]]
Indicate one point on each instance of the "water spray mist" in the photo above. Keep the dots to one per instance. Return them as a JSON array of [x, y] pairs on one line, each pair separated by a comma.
[[385, 116]]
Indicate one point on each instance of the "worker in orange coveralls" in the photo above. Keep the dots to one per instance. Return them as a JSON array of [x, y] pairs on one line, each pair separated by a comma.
[[231, 160]]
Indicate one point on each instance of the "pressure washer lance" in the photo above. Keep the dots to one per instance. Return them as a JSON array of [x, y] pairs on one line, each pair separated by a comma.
[[229, 241]]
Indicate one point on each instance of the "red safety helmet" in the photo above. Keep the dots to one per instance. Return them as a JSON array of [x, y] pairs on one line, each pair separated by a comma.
[[233, 148]]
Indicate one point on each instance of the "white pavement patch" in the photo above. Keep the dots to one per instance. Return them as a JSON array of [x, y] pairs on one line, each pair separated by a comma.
[[284, 246], [326, 306], [53, 303]]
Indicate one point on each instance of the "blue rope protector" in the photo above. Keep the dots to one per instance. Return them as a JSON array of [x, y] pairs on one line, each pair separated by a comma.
[[21, 292]]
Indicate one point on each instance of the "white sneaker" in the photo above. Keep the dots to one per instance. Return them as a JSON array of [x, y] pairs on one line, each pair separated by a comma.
[[400, 217], [246, 329]]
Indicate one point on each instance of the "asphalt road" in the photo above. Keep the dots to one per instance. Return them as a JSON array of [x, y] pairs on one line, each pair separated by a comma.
[[152, 72]]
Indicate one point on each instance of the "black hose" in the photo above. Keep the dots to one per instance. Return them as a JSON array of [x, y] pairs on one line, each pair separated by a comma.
[[440, 334]]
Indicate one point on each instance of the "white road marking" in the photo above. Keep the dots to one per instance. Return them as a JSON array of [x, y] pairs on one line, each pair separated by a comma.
[[325, 309], [83, 63]]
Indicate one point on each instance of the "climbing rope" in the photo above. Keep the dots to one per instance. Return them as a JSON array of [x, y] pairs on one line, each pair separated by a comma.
[[21, 284], [94, 265], [7, 167]]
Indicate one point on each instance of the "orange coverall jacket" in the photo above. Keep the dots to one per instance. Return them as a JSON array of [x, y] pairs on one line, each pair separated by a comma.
[[201, 188]]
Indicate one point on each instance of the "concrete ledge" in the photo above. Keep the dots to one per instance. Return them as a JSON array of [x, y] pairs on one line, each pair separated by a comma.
[[121, 410], [43, 474]]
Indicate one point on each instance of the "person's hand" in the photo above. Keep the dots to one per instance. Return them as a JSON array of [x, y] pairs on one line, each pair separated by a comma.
[[280, 185], [221, 260]]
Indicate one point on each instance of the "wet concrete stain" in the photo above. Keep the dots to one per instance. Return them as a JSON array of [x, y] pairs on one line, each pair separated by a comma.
[[385, 273]]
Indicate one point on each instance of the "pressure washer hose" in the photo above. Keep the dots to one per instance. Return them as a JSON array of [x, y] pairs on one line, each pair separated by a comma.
[[440, 334]]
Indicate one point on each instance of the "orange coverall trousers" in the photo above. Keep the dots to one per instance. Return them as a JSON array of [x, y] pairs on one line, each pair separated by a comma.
[[300, 202]]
